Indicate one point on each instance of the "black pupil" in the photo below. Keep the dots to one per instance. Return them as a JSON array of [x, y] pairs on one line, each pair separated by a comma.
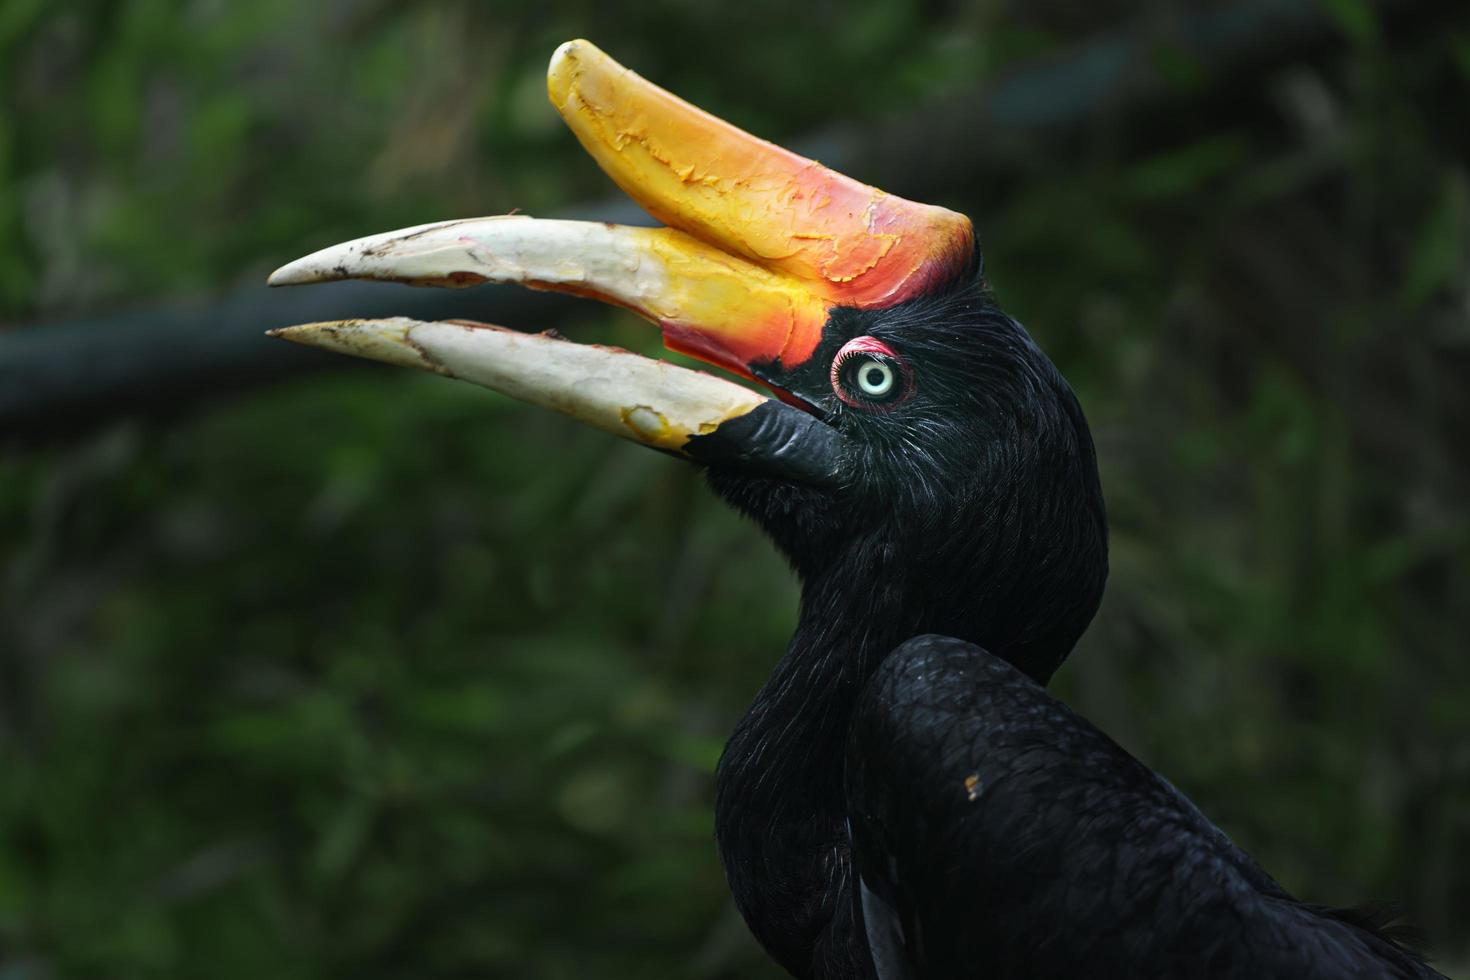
[[875, 377]]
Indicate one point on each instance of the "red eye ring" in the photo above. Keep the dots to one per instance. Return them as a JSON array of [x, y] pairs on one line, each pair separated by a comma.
[[873, 349]]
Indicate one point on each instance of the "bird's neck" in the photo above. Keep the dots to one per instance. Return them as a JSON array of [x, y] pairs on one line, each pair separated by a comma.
[[779, 813]]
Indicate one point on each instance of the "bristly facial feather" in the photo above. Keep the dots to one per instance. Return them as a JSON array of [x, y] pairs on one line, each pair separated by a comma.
[[980, 486]]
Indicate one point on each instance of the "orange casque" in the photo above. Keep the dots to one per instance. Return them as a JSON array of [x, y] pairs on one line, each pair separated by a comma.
[[823, 239]]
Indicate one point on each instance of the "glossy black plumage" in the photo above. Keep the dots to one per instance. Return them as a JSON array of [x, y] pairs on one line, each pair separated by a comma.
[[1011, 838], [973, 511]]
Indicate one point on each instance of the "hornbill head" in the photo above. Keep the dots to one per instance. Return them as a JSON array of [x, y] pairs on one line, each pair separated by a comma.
[[918, 440]]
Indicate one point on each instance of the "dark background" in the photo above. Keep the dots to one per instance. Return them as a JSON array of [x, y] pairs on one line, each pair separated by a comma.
[[361, 673]]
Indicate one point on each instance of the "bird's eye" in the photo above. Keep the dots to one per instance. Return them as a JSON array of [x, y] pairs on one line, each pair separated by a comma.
[[866, 373], [875, 378]]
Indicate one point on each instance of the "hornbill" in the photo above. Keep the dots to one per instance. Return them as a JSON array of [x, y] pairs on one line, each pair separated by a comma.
[[903, 798]]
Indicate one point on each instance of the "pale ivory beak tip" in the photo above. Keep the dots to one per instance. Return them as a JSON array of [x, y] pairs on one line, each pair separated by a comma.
[[300, 273], [281, 277], [377, 340]]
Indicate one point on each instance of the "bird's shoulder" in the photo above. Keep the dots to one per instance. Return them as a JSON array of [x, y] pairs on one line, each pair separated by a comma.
[[993, 825]]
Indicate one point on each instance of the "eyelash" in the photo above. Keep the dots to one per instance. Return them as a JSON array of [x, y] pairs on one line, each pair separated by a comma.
[[870, 349]]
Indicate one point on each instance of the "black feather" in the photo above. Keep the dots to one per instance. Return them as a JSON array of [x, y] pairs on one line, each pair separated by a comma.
[[1016, 840]]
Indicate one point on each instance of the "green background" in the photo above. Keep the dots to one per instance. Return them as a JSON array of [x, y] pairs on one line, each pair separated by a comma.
[[376, 675]]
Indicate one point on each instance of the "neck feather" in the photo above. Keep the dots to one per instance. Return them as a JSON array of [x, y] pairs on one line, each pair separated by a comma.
[[780, 819]]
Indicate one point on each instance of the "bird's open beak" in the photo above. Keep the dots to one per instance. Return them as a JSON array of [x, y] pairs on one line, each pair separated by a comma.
[[760, 245]]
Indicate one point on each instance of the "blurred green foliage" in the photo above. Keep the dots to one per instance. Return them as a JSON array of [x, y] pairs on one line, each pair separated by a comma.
[[378, 675]]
